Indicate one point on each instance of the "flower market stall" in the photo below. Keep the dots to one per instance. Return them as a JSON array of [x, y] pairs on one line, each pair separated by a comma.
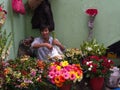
[[79, 67]]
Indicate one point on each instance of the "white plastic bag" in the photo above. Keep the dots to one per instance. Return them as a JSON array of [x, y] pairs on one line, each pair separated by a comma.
[[114, 79], [56, 53]]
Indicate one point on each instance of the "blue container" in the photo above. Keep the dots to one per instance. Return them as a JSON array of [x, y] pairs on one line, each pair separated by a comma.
[[116, 89]]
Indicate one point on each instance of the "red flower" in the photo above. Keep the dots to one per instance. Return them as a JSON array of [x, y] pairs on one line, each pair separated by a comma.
[[1, 8], [92, 12], [94, 70], [95, 58]]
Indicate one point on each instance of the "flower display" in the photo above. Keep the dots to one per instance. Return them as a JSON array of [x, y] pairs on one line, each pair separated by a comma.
[[24, 73], [73, 55], [97, 66], [92, 47], [2, 15], [62, 73]]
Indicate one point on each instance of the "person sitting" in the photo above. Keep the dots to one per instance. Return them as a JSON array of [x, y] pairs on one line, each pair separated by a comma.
[[45, 43]]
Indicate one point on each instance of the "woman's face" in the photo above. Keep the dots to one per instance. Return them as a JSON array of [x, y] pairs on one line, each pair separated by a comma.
[[45, 33]]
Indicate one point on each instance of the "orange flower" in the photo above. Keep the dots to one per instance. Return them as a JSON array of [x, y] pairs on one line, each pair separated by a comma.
[[7, 71], [40, 64], [62, 79], [57, 79], [59, 84]]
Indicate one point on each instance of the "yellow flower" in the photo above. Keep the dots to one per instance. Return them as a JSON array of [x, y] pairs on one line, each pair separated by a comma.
[[64, 63], [58, 67]]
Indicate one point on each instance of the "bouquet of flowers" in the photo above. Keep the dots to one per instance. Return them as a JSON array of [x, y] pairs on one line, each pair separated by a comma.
[[92, 14], [63, 73], [73, 55], [97, 66]]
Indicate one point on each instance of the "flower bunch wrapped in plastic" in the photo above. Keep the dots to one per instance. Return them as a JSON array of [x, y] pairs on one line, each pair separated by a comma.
[[92, 14], [63, 73], [97, 66]]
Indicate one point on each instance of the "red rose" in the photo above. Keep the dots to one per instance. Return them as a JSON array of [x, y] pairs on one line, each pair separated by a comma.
[[91, 12]]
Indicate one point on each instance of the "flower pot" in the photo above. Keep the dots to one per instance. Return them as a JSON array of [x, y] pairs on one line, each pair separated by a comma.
[[96, 83], [66, 87]]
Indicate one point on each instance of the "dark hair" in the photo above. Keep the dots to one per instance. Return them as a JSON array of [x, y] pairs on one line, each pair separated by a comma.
[[43, 27]]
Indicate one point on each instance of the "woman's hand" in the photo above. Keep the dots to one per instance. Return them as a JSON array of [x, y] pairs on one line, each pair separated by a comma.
[[56, 42], [49, 46]]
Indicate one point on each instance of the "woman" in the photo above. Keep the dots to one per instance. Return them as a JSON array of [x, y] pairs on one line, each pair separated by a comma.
[[44, 44]]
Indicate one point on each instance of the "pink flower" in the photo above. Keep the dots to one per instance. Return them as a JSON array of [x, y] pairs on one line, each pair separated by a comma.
[[72, 76], [66, 75], [51, 75]]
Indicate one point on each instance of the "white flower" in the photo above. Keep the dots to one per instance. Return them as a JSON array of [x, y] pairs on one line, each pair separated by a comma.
[[89, 48], [109, 60], [91, 66], [95, 45], [87, 63], [90, 61], [89, 69]]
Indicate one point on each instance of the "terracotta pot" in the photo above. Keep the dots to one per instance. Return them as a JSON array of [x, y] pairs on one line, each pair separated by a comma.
[[66, 87], [96, 83]]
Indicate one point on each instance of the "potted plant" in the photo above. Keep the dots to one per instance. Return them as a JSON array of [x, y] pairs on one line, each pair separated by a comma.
[[95, 64]]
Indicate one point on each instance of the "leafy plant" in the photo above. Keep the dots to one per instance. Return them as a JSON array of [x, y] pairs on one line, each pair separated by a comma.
[[92, 47], [5, 44]]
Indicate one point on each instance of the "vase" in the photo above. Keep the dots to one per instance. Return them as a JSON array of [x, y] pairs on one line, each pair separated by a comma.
[[96, 83], [66, 87]]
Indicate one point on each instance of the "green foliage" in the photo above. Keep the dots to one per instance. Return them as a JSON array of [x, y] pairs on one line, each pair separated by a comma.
[[5, 44], [73, 55], [92, 48]]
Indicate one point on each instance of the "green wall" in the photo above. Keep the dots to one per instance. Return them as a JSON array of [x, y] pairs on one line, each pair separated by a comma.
[[14, 23], [70, 22]]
